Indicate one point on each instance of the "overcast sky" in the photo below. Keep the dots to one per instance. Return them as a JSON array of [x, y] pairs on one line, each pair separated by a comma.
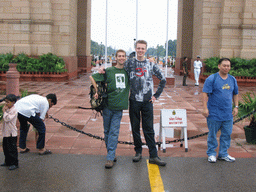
[[152, 22]]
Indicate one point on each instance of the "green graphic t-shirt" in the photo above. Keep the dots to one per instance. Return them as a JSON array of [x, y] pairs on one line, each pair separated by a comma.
[[117, 87]]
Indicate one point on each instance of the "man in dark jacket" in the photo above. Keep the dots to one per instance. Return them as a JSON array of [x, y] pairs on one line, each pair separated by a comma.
[[140, 72]]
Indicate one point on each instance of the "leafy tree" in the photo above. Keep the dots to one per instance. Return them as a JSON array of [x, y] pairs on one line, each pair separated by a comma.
[[160, 51], [172, 47], [99, 49]]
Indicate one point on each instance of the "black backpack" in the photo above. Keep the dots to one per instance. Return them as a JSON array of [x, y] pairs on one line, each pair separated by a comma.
[[101, 102]]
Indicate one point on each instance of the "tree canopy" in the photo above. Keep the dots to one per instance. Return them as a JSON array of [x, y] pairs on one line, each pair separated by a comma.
[[158, 51]]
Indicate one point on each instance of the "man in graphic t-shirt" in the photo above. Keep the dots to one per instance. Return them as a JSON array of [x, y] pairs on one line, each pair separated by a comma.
[[118, 92], [140, 72]]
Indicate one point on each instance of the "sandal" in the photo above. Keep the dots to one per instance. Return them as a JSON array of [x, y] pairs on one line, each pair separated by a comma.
[[25, 151], [46, 152]]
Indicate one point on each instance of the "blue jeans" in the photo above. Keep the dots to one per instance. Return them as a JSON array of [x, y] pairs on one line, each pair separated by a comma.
[[111, 121], [225, 137], [39, 125]]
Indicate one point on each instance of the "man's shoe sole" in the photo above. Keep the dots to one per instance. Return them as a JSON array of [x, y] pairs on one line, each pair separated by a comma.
[[226, 160], [13, 167], [136, 160]]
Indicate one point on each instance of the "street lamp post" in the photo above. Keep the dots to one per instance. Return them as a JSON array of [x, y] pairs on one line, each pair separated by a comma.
[[100, 53], [135, 47], [157, 54]]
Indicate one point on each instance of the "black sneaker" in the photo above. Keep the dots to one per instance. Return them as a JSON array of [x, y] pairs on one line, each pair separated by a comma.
[[12, 167], [4, 165], [137, 157], [109, 164], [157, 161]]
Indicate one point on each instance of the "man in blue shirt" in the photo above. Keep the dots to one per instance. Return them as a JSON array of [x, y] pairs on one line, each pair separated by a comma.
[[219, 91]]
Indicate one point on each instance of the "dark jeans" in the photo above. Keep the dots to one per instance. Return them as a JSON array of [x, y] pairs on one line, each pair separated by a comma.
[[184, 79], [144, 110], [39, 126], [10, 150]]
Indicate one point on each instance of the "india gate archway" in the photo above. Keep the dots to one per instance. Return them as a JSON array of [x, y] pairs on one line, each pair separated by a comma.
[[62, 27], [223, 28]]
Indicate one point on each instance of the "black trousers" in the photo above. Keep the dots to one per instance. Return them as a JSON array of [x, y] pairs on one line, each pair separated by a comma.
[[184, 79], [10, 150], [144, 110], [39, 125]]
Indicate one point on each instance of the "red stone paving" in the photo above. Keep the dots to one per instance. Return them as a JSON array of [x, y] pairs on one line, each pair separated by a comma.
[[74, 93]]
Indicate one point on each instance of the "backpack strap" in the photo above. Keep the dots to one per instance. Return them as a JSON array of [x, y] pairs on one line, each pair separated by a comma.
[[214, 79]]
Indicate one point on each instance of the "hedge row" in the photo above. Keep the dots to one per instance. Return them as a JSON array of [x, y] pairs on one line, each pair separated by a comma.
[[45, 63], [239, 67]]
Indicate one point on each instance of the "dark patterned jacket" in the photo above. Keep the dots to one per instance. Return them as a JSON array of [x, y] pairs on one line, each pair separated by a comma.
[[141, 81]]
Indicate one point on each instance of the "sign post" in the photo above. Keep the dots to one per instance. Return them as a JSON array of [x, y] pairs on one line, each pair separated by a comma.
[[173, 118]]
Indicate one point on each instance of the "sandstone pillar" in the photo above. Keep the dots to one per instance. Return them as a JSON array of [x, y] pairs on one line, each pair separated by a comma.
[[12, 80]]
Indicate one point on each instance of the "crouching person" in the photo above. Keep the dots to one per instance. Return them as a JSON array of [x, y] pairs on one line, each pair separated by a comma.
[[33, 109]]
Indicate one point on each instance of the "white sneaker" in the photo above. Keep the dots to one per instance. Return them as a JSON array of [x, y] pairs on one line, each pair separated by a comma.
[[228, 158], [212, 159]]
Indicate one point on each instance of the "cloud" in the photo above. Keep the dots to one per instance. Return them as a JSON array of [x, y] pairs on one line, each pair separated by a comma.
[[152, 22]]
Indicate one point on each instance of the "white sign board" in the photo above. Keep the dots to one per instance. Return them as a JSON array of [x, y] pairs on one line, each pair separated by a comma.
[[174, 117]]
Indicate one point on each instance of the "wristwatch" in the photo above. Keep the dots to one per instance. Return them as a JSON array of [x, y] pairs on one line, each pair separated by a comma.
[[236, 107]]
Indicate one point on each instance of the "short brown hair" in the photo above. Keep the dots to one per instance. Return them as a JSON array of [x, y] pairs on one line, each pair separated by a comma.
[[141, 42], [120, 50]]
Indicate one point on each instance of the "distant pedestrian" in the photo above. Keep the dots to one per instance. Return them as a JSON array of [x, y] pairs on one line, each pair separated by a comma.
[[10, 133], [185, 71], [218, 92], [197, 69], [33, 109]]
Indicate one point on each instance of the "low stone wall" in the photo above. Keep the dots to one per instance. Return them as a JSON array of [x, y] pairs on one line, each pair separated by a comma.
[[241, 81], [40, 76], [169, 81]]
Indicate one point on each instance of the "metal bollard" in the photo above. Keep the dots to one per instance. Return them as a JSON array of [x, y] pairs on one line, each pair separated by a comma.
[[12, 80]]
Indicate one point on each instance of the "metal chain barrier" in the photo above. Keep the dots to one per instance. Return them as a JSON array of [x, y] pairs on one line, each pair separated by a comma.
[[131, 143]]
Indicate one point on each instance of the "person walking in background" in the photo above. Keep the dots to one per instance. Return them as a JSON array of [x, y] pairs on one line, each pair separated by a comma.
[[140, 71], [218, 92], [33, 109], [197, 69], [185, 71], [10, 133], [118, 93]]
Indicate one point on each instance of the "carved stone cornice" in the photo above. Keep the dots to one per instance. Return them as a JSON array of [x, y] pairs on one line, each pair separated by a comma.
[[27, 21], [226, 26]]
